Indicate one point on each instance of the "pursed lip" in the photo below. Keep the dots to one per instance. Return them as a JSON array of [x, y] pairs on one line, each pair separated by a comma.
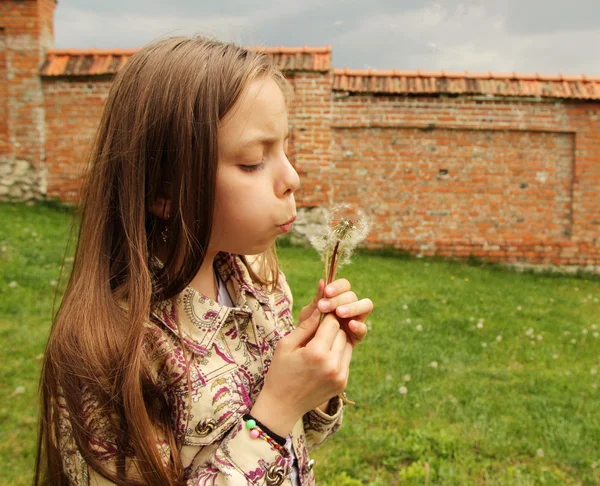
[[289, 222]]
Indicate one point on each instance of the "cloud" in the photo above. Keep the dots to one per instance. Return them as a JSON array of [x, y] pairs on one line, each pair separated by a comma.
[[547, 36]]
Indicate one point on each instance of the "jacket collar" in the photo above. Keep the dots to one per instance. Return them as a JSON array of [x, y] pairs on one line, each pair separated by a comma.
[[196, 318]]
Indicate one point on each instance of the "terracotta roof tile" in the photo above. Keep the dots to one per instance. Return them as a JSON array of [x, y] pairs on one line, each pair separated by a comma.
[[94, 62], [442, 82]]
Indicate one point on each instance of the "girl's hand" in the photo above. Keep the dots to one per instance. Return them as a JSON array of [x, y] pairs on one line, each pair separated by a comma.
[[352, 312], [310, 365]]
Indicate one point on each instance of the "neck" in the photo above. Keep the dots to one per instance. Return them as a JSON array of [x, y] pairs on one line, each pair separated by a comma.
[[205, 280]]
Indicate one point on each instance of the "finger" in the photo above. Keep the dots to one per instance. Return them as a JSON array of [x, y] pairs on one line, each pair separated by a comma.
[[325, 335], [359, 330], [304, 332], [337, 287], [360, 310], [307, 310], [346, 358], [328, 305], [339, 344]]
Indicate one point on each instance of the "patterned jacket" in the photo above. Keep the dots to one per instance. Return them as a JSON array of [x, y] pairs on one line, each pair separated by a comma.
[[231, 350]]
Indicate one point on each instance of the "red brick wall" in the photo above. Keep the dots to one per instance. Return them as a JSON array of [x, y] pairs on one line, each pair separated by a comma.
[[310, 129], [4, 144], [522, 181], [522, 184], [27, 33], [73, 109]]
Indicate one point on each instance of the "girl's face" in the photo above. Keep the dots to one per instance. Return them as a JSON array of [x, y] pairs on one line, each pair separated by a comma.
[[255, 180]]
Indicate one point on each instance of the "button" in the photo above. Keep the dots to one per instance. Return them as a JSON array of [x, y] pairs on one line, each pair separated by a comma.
[[275, 475], [205, 427]]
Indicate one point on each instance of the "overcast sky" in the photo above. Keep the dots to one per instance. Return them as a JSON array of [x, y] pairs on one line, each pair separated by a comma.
[[527, 36]]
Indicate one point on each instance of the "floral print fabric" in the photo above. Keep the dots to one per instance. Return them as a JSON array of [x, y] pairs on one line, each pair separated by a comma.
[[228, 350]]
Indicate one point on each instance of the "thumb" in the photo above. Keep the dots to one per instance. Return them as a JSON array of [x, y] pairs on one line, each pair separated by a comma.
[[305, 330]]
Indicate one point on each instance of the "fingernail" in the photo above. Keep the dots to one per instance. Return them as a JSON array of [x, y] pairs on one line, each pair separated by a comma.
[[342, 310], [324, 305], [330, 289]]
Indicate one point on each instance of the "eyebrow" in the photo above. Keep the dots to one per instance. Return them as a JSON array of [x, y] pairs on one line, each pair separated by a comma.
[[260, 140]]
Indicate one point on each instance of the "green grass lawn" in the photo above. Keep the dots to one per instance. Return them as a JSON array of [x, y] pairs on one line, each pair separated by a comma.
[[469, 375]]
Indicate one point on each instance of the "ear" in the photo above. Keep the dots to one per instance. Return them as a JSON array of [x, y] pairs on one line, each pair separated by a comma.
[[161, 208]]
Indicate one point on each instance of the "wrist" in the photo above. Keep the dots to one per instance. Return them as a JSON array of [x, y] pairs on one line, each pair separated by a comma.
[[271, 413]]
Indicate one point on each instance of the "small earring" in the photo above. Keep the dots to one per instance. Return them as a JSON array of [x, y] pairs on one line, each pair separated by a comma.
[[165, 234]]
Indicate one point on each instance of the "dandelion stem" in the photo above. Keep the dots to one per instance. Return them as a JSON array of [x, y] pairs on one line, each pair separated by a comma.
[[333, 265]]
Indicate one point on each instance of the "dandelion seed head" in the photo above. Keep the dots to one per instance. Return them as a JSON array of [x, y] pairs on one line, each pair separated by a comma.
[[480, 325], [403, 390], [498, 338], [555, 356], [484, 345], [433, 364], [406, 377], [419, 328], [540, 452], [388, 377]]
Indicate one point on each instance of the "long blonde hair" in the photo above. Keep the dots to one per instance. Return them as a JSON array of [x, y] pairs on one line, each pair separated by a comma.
[[157, 138]]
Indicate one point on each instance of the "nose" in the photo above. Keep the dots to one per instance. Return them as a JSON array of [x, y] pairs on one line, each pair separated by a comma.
[[289, 181]]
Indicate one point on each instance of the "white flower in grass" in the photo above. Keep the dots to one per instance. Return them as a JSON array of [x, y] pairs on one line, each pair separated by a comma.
[[519, 308], [388, 377], [13, 284], [408, 320], [555, 356], [573, 341], [419, 328], [594, 371], [406, 378], [595, 299], [484, 345], [532, 343], [551, 299], [584, 331], [405, 307], [480, 325], [595, 386], [471, 319], [596, 335], [530, 332], [540, 337], [594, 327], [403, 390], [540, 452], [19, 390], [52, 283], [567, 333], [498, 338], [433, 364]]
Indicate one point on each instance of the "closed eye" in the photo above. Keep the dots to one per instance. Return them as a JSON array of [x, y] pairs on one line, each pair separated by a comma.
[[252, 168]]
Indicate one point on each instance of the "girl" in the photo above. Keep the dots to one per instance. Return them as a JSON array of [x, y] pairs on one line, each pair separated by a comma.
[[156, 367]]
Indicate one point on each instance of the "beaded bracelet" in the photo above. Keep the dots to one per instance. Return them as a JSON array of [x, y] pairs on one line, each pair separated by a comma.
[[256, 431]]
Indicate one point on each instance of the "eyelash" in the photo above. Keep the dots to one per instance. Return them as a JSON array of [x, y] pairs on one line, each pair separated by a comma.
[[252, 168]]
